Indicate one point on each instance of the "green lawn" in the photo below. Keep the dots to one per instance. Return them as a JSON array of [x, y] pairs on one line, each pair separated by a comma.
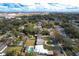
[[31, 37], [48, 47]]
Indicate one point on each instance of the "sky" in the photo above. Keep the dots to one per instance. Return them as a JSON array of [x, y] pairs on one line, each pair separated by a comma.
[[57, 5], [71, 2]]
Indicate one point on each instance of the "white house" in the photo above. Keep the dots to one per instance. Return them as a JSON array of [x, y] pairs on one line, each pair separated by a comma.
[[40, 49]]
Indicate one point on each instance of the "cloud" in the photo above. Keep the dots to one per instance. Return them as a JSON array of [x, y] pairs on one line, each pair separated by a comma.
[[40, 5]]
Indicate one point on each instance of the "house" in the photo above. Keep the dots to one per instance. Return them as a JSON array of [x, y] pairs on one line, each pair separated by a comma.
[[40, 49]]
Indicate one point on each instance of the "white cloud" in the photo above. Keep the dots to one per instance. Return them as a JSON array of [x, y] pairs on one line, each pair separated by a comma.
[[31, 2], [62, 4]]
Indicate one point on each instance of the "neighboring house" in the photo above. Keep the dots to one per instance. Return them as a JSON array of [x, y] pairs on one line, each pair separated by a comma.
[[77, 54], [2, 54], [60, 30], [2, 49]]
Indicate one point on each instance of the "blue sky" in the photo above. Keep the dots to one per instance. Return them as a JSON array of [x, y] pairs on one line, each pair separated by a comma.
[[42, 5]]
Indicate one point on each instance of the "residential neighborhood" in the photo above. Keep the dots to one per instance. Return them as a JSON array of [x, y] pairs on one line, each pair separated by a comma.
[[39, 34]]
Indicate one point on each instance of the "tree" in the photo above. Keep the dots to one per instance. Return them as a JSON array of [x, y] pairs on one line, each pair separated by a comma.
[[45, 32], [58, 36], [29, 28], [67, 42]]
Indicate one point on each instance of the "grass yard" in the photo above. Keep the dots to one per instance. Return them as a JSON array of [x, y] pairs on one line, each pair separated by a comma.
[[30, 42], [31, 37], [48, 47], [17, 48], [11, 51]]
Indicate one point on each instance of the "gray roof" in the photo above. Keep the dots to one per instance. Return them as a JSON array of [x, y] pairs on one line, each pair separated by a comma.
[[77, 53]]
